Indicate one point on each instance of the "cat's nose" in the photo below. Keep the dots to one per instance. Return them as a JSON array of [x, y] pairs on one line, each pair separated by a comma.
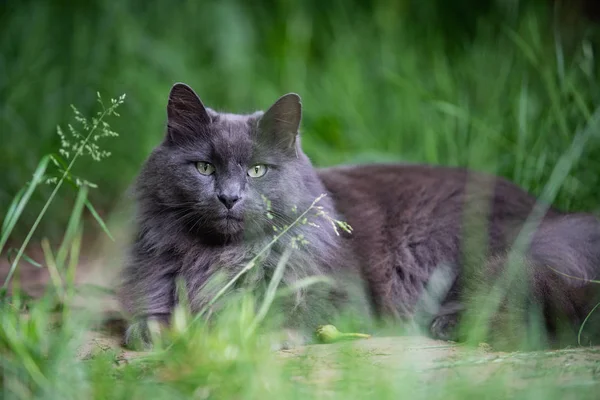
[[228, 200]]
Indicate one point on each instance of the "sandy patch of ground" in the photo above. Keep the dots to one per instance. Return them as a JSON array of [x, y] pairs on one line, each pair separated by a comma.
[[426, 359], [431, 360]]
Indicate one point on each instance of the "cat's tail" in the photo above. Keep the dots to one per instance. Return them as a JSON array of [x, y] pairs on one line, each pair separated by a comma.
[[562, 272], [569, 246], [565, 255]]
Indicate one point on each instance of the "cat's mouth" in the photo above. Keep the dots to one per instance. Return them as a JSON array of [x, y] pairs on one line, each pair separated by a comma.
[[228, 216], [231, 215]]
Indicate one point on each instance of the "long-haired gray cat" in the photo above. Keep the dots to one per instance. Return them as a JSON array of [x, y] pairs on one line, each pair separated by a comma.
[[218, 187]]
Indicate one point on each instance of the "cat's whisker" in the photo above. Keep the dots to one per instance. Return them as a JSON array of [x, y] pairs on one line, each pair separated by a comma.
[[198, 220], [182, 218]]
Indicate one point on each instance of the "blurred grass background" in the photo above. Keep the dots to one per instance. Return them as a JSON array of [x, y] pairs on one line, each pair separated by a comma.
[[501, 86]]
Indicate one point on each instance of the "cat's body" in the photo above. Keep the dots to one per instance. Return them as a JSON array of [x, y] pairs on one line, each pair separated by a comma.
[[410, 220], [202, 210], [413, 220]]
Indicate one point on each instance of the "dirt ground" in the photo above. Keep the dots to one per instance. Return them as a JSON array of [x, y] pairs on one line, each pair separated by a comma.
[[426, 359], [430, 360]]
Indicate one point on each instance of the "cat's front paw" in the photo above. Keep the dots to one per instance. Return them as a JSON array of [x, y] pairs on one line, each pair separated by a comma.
[[444, 327], [140, 333]]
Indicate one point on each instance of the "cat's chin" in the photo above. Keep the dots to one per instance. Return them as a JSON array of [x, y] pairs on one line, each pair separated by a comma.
[[229, 226]]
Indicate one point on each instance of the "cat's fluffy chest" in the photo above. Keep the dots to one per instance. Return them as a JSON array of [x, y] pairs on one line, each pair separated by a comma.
[[206, 269]]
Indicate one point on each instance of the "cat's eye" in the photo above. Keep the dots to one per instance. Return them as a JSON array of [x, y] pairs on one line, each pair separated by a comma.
[[258, 170], [205, 168]]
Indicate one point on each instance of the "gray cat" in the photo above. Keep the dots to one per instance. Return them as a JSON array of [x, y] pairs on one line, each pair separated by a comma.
[[215, 191]]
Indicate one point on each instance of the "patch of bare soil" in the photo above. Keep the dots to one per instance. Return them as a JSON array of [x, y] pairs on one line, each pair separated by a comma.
[[431, 360], [426, 359], [97, 271]]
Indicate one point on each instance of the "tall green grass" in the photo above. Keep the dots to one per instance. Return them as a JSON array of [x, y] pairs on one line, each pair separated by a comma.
[[502, 88]]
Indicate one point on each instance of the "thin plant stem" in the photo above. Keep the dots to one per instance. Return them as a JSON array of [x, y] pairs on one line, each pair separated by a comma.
[[51, 198]]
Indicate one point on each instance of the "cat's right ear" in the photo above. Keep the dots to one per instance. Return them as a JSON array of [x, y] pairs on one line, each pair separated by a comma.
[[185, 112]]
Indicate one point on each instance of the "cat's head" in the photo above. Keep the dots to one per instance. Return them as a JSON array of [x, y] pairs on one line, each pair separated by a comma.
[[227, 174]]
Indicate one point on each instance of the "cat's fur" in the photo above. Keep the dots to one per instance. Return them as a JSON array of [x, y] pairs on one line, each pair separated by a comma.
[[409, 224]]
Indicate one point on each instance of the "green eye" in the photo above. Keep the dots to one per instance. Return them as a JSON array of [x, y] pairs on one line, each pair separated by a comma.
[[257, 171], [205, 168]]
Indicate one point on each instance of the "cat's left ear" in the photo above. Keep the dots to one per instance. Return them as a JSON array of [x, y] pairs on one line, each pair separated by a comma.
[[280, 123]]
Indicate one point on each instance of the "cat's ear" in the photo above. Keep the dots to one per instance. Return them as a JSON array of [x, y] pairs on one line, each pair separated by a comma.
[[280, 123], [185, 111]]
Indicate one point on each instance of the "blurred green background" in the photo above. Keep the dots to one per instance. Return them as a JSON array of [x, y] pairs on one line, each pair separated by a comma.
[[501, 86]]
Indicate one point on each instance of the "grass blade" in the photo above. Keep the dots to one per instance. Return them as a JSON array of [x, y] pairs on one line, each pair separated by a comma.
[[304, 283], [98, 219], [72, 226], [15, 212], [12, 207], [74, 251], [271, 290], [55, 277], [584, 322], [30, 260]]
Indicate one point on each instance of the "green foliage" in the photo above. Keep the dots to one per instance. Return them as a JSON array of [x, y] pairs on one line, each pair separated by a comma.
[[500, 86], [83, 143]]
